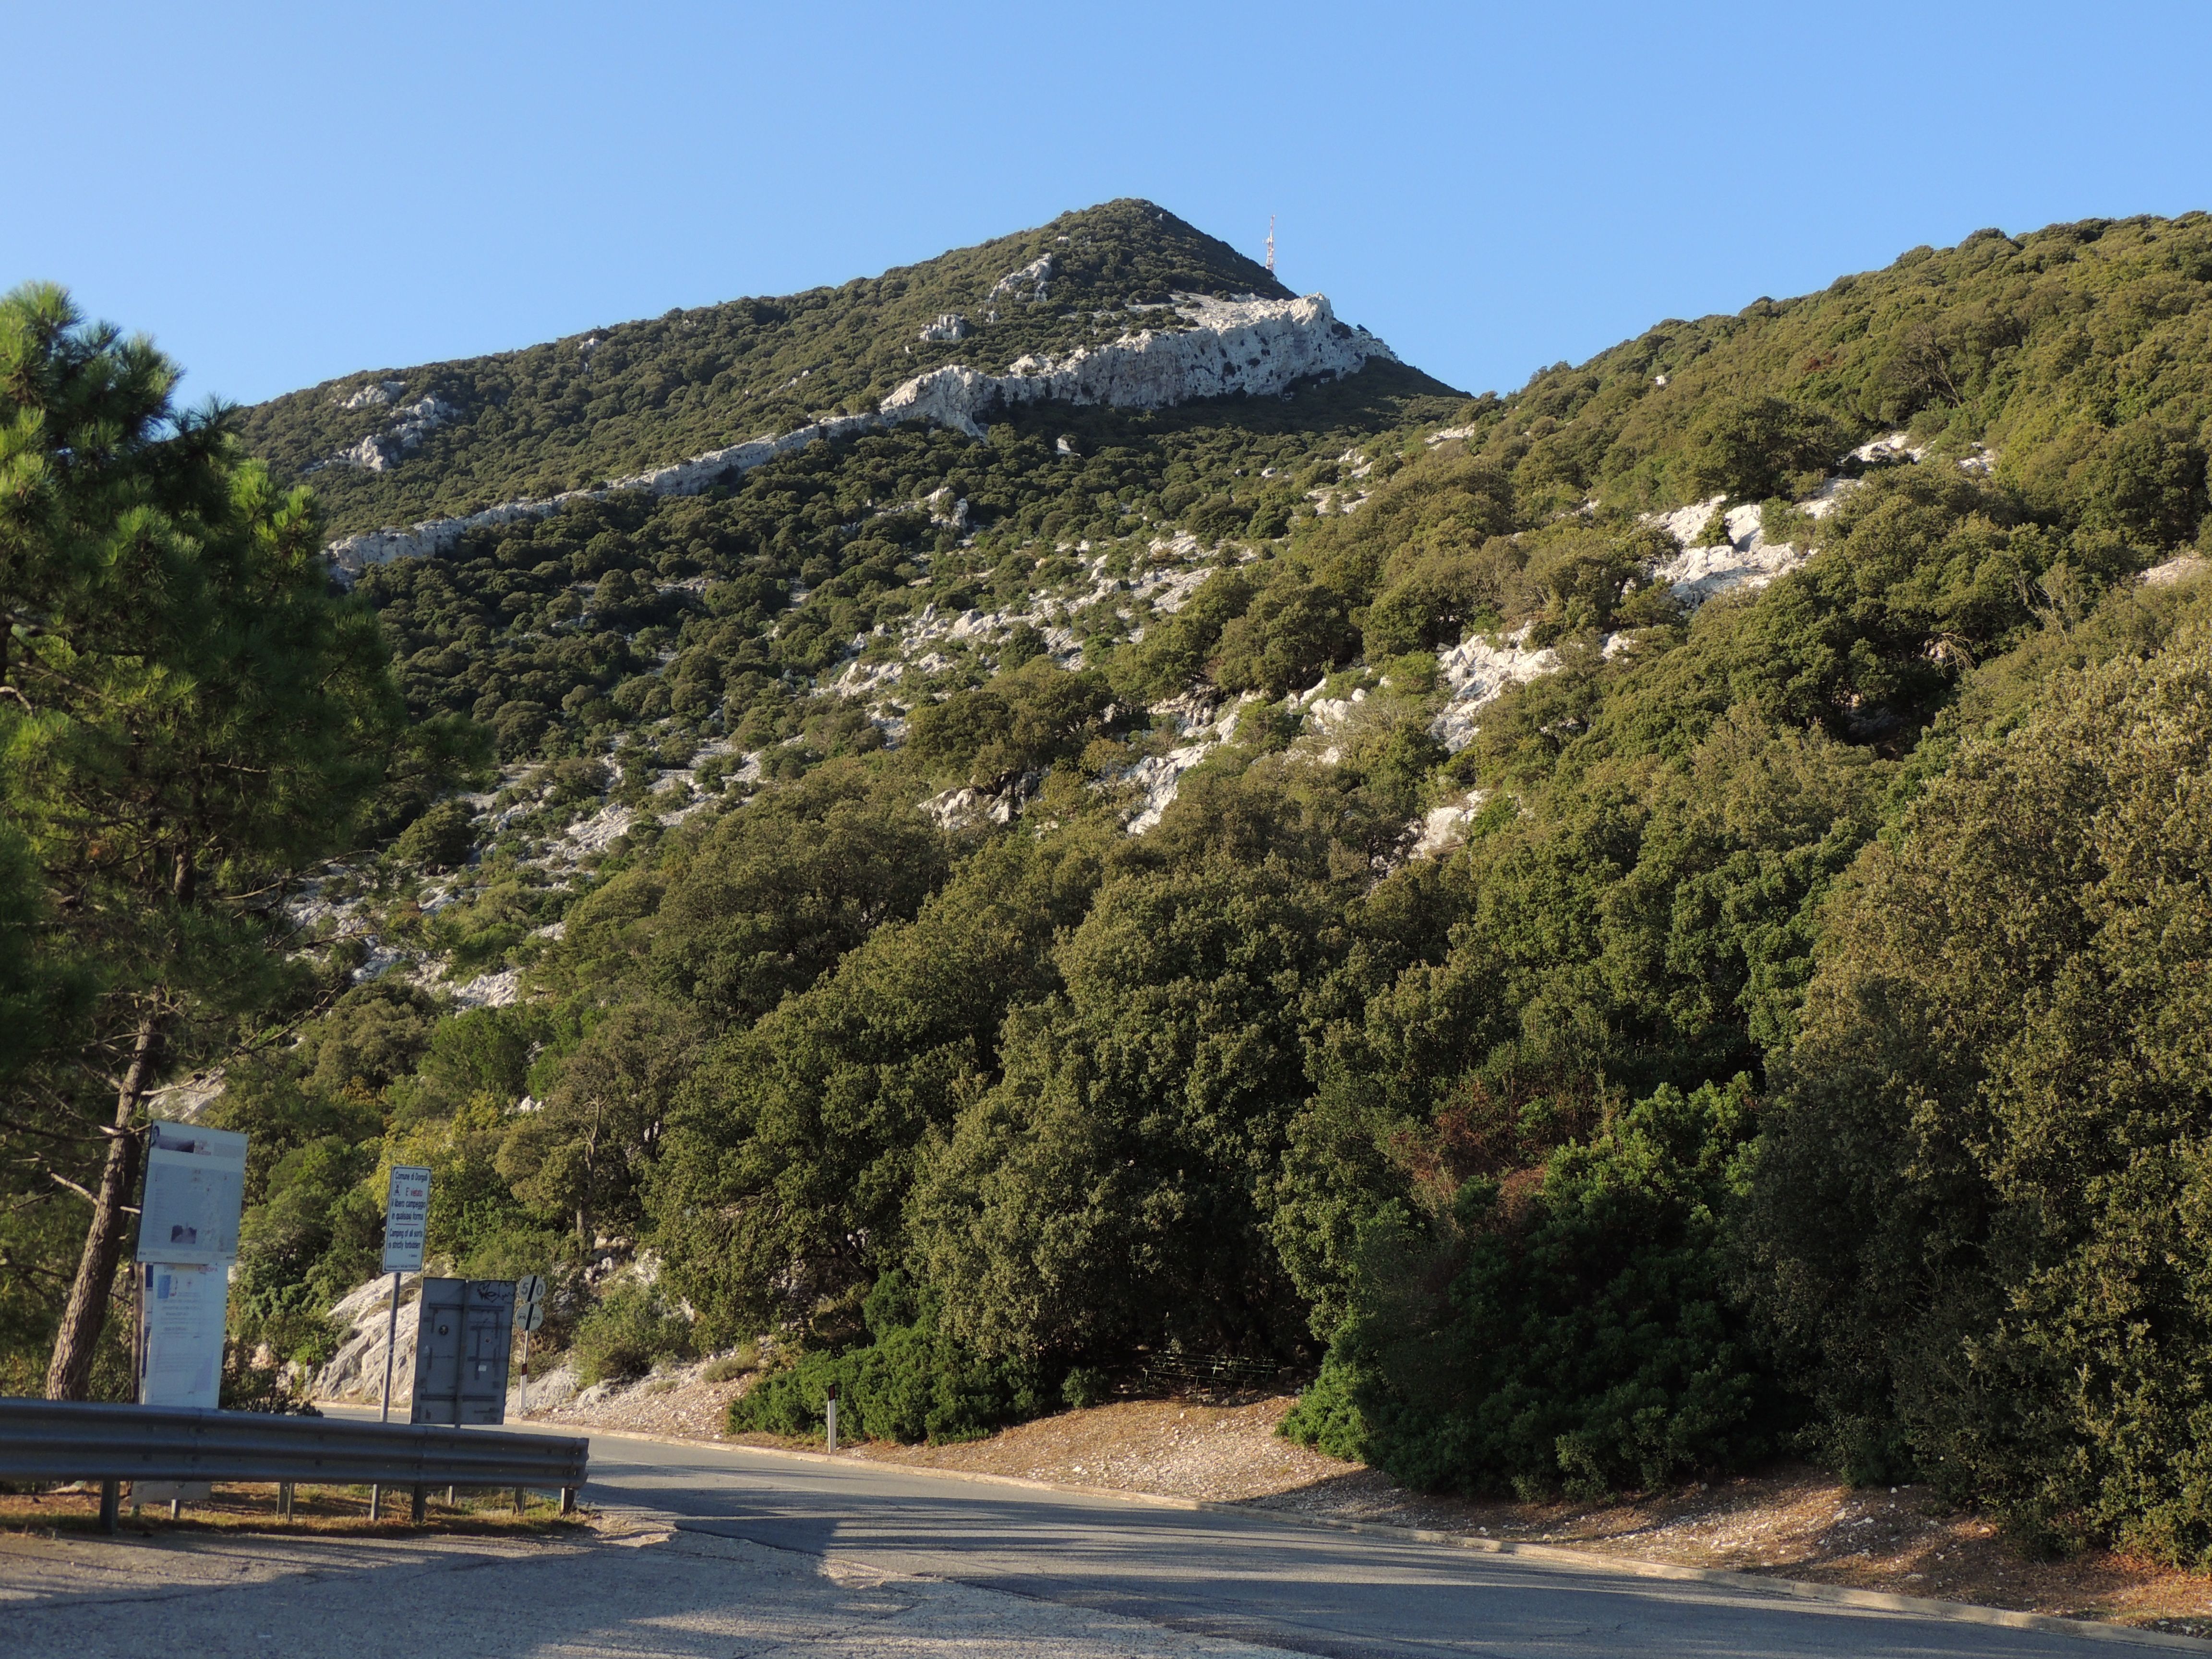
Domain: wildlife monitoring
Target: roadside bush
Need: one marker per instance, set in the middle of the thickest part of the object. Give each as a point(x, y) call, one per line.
point(1570, 1326)
point(912, 1382)
point(247, 1386)
point(1981, 1218)
point(631, 1329)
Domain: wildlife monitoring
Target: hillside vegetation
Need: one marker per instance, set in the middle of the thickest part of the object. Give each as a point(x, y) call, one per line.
point(1299, 881)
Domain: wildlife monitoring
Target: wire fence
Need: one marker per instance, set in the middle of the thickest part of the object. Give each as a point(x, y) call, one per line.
point(1178, 1375)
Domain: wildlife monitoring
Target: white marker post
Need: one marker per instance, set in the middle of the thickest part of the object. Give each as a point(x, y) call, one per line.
point(406, 1226)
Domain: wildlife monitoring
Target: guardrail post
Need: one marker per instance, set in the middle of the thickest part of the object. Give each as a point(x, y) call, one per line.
point(518, 1500)
point(417, 1516)
point(375, 1503)
point(111, 1499)
point(567, 1500)
point(283, 1500)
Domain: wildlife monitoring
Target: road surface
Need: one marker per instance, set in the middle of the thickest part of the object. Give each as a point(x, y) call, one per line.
point(722, 1552)
point(1253, 1580)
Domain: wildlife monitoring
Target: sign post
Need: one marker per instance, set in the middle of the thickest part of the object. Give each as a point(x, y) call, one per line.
point(406, 1225)
point(529, 1314)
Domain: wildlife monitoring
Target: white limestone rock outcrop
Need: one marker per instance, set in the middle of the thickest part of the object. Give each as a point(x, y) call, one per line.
point(1034, 275)
point(1443, 828)
point(363, 1316)
point(949, 325)
point(381, 451)
point(1251, 347)
point(1745, 559)
point(1478, 674)
point(374, 395)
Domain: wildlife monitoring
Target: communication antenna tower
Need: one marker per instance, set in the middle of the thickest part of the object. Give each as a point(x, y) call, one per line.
point(1271, 245)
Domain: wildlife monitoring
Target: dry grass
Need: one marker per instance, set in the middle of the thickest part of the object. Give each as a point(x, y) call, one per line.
point(326, 1512)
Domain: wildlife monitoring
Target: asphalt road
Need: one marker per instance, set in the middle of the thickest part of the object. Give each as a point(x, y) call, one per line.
point(1249, 1579)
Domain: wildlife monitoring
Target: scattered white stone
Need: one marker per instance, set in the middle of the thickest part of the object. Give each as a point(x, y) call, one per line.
point(356, 1371)
point(959, 809)
point(499, 990)
point(1828, 497)
point(1157, 777)
point(944, 509)
point(183, 1100)
point(949, 325)
point(381, 959)
point(1478, 673)
point(2173, 570)
point(1686, 523)
point(379, 452)
point(1700, 574)
point(1746, 559)
point(1444, 827)
point(1890, 446)
point(1035, 274)
point(374, 395)
point(590, 835)
point(1325, 714)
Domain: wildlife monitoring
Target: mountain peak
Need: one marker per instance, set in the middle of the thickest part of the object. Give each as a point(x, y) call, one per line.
point(390, 447)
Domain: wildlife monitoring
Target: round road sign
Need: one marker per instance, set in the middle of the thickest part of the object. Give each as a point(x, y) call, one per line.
point(529, 1300)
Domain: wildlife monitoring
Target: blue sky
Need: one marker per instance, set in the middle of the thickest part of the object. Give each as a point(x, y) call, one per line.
point(284, 193)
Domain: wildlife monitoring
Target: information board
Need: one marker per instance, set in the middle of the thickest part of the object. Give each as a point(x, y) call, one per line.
point(184, 1315)
point(195, 1189)
point(406, 1219)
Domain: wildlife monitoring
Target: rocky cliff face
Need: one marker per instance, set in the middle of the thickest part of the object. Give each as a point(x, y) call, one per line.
point(1249, 346)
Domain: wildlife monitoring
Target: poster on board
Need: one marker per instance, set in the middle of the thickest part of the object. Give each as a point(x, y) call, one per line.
point(182, 1357)
point(195, 1190)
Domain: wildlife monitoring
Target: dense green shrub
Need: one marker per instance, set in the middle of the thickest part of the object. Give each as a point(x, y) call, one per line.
point(632, 1328)
point(441, 838)
point(1981, 1219)
point(1111, 1191)
point(1021, 722)
point(1567, 1325)
point(913, 1382)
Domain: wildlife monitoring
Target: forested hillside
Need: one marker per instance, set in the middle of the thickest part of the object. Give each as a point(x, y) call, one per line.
point(1615, 932)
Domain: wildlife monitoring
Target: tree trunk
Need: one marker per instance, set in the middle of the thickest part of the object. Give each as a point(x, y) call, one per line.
point(68, 1376)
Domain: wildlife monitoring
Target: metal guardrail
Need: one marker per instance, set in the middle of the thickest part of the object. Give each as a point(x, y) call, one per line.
point(58, 1440)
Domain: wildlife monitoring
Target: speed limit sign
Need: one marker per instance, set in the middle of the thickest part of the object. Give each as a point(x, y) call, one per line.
point(530, 1302)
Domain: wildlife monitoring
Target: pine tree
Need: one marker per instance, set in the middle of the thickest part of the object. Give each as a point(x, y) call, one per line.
point(188, 712)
